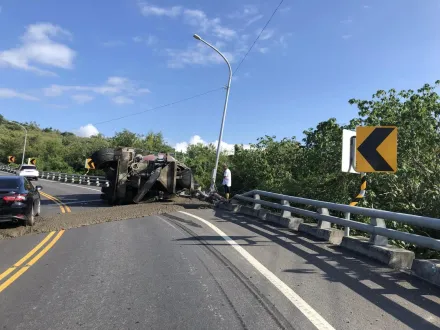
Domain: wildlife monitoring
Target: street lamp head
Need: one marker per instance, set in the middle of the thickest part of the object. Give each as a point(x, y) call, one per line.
point(196, 36)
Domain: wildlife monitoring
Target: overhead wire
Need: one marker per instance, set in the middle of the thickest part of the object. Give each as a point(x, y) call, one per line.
point(207, 92)
point(258, 37)
point(160, 106)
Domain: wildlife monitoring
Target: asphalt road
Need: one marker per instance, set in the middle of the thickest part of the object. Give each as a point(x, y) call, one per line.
point(75, 197)
point(202, 269)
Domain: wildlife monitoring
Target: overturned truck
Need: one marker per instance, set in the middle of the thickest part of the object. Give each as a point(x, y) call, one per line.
point(135, 178)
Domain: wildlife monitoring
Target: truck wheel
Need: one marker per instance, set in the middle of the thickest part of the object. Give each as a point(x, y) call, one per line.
point(103, 156)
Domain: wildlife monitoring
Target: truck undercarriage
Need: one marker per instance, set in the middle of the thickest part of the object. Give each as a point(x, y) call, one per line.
point(134, 178)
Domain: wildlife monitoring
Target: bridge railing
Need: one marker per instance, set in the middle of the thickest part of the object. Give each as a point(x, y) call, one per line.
point(379, 233)
point(89, 180)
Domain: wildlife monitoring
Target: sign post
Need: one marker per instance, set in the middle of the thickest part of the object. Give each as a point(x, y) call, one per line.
point(368, 150)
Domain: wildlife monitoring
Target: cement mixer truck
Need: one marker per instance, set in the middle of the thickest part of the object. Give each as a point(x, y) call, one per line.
point(137, 178)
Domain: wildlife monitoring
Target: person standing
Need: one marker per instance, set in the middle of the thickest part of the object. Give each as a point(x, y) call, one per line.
point(227, 180)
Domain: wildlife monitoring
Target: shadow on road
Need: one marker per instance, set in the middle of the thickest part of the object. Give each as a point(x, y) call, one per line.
point(348, 268)
point(247, 239)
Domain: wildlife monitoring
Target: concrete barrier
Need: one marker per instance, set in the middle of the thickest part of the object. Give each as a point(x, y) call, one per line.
point(263, 215)
point(392, 256)
point(331, 235)
point(428, 270)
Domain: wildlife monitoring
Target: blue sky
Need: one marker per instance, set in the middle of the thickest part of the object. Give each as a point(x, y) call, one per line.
point(75, 64)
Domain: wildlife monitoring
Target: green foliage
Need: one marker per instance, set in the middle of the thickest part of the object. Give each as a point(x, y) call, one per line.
point(201, 159)
point(66, 152)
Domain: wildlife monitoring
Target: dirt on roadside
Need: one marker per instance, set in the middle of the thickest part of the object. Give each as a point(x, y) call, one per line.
point(45, 224)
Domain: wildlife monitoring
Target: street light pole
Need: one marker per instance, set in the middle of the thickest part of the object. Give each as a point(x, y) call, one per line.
point(228, 87)
point(25, 138)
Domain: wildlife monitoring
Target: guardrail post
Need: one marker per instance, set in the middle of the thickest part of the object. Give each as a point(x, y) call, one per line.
point(53, 176)
point(378, 239)
point(97, 182)
point(285, 214)
point(256, 205)
point(324, 224)
point(73, 179)
point(79, 179)
point(88, 181)
point(347, 229)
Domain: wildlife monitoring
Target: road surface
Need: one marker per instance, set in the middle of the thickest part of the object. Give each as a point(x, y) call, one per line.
point(202, 269)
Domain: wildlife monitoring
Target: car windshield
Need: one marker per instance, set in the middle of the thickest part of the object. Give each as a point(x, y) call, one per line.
point(9, 184)
point(28, 167)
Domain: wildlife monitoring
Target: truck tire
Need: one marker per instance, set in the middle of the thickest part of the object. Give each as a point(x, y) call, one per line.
point(103, 156)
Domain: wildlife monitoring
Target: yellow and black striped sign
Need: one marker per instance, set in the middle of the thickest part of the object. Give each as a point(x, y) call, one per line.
point(32, 161)
point(361, 194)
point(89, 164)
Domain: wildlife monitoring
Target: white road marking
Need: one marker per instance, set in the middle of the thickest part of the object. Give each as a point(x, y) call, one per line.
point(73, 185)
point(312, 315)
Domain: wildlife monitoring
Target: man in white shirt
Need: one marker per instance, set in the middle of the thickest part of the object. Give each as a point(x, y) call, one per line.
point(227, 180)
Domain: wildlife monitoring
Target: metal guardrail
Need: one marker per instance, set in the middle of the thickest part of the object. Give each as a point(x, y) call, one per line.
point(377, 226)
point(88, 180)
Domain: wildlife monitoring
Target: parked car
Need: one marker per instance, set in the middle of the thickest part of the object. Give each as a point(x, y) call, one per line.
point(19, 200)
point(28, 171)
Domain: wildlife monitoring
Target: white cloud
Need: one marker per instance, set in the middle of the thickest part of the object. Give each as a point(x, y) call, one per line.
point(248, 10)
point(137, 39)
point(254, 19)
point(150, 10)
point(86, 131)
point(113, 43)
point(119, 88)
point(263, 50)
point(122, 100)
point(282, 40)
point(346, 36)
point(249, 13)
point(149, 40)
point(193, 17)
point(267, 34)
point(82, 98)
point(196, 139)
point(196, 54)
point(224, 32)
point(6, 93)
point(38, 48)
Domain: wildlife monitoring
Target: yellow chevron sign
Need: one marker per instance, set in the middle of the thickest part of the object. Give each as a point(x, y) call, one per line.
point(89, 164)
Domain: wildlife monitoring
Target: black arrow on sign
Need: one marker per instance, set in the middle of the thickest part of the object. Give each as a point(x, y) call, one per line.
point(368, 149)
point(90, 163)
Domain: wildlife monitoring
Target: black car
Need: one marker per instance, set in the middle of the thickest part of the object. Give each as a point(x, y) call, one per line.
point(19, 200)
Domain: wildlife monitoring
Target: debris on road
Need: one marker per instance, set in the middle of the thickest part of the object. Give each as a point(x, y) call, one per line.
point(100, 215)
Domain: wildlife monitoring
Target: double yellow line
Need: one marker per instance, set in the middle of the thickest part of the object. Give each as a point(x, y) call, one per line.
point(18, 267)
point(63, 207)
